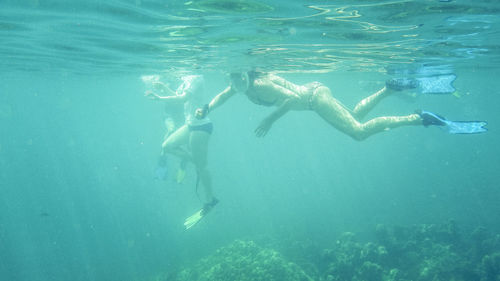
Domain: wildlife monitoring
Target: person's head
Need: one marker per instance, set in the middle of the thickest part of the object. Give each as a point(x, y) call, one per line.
point(239, 81)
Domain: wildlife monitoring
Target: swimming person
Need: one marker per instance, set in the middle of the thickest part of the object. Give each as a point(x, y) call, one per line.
point(190, 141)
point(272, 90)
point(172, 121)
point(173, 117)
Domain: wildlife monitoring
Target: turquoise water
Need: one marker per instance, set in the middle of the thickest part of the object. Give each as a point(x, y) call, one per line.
point(79, 141)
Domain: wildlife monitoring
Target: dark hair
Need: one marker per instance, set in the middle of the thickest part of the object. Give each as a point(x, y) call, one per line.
point(235, 75)
point(252, 75)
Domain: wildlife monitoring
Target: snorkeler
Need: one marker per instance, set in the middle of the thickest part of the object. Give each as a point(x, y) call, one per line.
point(173, 116)
point(190, 141)
point(272, 90)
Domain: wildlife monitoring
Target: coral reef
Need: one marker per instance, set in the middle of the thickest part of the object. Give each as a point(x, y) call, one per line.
point(419, 253)
point(243, 260)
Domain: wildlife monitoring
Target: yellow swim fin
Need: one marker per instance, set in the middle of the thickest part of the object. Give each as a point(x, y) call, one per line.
point(457, 94)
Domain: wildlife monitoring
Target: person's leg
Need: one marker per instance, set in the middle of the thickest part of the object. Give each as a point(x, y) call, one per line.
point(173, 144)
point(368, 103)
point(198, 142)
point(339, 117)
point(385, 123)
point(169, 127)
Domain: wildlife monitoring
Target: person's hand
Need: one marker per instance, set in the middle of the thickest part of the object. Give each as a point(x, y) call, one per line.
point(263, 128)
point(200, 113)
point(151, 95)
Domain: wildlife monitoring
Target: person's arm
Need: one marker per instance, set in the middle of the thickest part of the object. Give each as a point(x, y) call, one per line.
point(217, 101)
point(172, 97)
point(268, 122)
point(180, 98)
point(221, 98)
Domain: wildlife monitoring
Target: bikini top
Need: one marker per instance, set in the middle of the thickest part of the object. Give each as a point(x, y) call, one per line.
point(258, 101)
point(255, 99)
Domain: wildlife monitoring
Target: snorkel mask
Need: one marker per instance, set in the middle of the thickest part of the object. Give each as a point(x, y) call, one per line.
point(240, 81)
